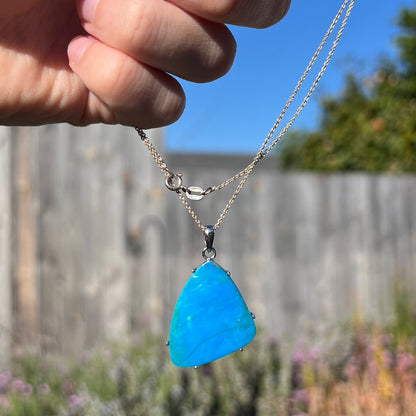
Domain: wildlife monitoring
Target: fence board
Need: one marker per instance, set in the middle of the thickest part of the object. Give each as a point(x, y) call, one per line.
point(5, 246)
point(25, 296)
point(50, 237)
point(145, 234)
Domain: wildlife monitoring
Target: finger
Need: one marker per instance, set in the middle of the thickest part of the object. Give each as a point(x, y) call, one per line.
point(161, 35)
point(123, 90)
point(251, 13)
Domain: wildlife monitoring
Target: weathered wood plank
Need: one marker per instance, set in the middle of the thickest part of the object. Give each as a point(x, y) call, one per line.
point(51, 238)
point(72, 237)
point(145, 234)
point(6, 259)
point(26, 319)
point(112, 266)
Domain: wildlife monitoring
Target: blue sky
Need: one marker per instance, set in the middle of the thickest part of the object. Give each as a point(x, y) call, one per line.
point(235, 113)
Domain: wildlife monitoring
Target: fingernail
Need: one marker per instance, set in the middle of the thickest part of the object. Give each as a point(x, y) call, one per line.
point(87, 9)
point(77, 47)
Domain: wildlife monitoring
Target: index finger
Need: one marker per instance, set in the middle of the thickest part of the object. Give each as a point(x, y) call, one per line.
point(250, 13)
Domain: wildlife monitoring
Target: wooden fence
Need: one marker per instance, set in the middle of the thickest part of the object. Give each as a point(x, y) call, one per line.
point(93, 246)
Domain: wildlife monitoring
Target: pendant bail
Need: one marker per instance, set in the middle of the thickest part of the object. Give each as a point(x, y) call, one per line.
point(209, 252)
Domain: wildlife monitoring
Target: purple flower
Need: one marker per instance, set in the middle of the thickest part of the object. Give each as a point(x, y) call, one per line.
point(299, 357)
point(5, 378)
point(405, 362)
point(18, 385)
point(301, 397)
point(44, 389)
point(75, 401)
point(27, 390)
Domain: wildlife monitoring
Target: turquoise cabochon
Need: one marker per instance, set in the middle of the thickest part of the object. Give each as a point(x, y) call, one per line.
point(210, 320)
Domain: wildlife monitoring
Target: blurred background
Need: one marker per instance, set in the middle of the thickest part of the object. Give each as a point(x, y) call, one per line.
point(321, 242)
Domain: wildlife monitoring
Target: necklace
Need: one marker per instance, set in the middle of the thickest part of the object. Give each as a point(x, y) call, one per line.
point(211, 318)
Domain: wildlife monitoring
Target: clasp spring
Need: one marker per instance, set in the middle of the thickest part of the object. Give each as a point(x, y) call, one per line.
point(174, 182)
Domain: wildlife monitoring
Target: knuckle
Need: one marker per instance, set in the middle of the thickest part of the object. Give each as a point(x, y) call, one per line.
point(221, 63)
point(138, 28)
point(217, 60)
point(139, 93)
point(156, 109)
point(222, 9)
point(118, 80)
point(171, 108)
point(278, 11)
point(259, 14)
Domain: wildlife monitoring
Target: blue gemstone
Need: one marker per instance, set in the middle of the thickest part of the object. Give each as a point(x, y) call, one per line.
point(210, 320)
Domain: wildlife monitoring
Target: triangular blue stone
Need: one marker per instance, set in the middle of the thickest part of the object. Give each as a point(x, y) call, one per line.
point(210, 320)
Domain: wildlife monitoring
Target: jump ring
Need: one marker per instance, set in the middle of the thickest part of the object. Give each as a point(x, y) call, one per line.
point(209, 254)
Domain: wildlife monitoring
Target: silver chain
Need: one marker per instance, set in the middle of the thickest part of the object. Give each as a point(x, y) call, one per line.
point(174, 180)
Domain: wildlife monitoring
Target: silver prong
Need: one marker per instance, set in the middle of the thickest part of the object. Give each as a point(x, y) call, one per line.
point(241, 349)
point(167, 343)
point(253, 315)
point(196, 367)
point(194, 269)
point(228, 273)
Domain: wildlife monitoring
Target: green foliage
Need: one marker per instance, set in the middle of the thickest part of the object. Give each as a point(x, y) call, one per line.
point(403, 325)
point(371, 126)
point(407, 42)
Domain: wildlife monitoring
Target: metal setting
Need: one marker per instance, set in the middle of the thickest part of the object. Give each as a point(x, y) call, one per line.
point(209, 233)
point(209, 252)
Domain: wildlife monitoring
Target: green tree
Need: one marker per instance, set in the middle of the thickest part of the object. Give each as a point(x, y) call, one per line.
point(371, 126)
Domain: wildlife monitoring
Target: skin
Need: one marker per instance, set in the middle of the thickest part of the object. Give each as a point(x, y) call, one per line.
point(112, 61)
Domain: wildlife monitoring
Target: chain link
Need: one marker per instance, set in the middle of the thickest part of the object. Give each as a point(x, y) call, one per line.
point(175, 179)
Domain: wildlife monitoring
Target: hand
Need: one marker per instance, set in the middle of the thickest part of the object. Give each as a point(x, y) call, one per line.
point(109, 60)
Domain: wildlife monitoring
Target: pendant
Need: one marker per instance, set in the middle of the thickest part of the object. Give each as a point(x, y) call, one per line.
point(211, 318)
